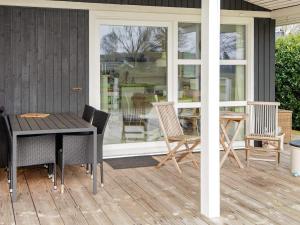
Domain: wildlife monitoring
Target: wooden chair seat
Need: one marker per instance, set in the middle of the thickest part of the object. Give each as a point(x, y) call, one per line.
point(184, 138)
point(262, 138)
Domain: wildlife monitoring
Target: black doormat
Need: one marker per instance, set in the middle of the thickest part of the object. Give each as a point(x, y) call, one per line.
point(132, 162)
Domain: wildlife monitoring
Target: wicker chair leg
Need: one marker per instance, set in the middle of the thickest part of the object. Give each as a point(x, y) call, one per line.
point(91, 171)
point(54, 176)
point(10, 179)
point(8, 174)
point(87, 168)
point(101, 172)
point(62, 178)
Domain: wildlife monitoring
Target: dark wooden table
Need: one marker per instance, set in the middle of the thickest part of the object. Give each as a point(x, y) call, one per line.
point(56, 123)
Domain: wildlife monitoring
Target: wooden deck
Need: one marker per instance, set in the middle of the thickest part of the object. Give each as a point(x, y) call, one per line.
point(259, 194)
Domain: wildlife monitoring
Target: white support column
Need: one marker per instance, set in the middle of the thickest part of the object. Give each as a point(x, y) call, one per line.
point(210, 84)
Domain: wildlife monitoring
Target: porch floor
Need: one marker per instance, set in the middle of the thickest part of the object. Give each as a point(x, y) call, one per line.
point(259, 194)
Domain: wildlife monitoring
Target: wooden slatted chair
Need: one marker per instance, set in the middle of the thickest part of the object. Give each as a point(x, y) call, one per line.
point(173, 133)
point(263, 127)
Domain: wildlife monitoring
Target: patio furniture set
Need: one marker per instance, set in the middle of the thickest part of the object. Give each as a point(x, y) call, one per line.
point(55, 139)
point(65, 139)
point(263, 139)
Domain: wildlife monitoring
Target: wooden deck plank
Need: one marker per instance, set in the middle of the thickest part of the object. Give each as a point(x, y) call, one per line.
point(24, 209)
point(136, 211)
point(67, 207)
point(91, 211)
point(112, 210)
point(43, 201)
point(6, 209)
point(259, 194)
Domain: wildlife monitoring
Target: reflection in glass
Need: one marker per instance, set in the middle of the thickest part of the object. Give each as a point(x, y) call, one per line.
point(133, 62)
point(189, 120)
point(233, 126)
point(189, 40)
point(189, 83)
point(233, 42)
point(232, 83)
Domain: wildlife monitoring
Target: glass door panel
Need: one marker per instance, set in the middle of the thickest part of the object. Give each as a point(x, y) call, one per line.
point(133, 74)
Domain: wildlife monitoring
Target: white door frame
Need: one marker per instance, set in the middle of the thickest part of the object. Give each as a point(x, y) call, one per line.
point(169, 20)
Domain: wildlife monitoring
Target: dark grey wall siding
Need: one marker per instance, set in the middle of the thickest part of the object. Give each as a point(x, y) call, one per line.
point(264, 59)
point(225, 4)
point(43, 55)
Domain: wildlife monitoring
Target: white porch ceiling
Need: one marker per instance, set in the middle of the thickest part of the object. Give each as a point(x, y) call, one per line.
point(275, 4)
point(284, 11)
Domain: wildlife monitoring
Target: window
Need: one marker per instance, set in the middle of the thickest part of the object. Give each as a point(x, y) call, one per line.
point(233, 63)
point(233, 42)
point(189, 69)
point(233, 72)
point(189, 41)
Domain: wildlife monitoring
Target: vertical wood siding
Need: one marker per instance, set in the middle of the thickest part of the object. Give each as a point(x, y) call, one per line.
point(43, 55)
point(264, 56)
point(225, 4)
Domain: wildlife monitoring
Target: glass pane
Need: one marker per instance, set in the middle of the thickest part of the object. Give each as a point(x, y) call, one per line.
point(189, 83)
point(233, 42)
point(233, 126)
point(133, 75)
point(190, 120)
point(189, 40)
point(232, 83)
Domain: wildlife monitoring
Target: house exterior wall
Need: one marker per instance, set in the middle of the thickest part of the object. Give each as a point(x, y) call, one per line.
point(43, 56)
point(264, 59)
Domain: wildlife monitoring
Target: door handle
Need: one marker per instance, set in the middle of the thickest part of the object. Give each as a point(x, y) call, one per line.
point(77, 89)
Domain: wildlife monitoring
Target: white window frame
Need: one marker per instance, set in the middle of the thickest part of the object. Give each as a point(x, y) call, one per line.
point(247, 62)
point(169, 20)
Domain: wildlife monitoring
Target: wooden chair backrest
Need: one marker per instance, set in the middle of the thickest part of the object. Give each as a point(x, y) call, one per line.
point(168, 119)
point(263, 118)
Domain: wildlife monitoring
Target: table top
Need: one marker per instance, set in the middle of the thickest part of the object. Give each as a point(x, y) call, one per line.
point(54, 123)
point(233, 115)
point(295, 143)
point(223, 115)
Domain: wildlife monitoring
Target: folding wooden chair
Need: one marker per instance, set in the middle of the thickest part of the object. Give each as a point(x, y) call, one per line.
point(263, 127)
point(173, 133)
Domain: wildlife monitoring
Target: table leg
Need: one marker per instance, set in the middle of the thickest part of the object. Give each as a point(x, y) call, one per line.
point(95, 163)
point(14, 169)
point(101, 167)
point(224, 140)
point(230, 145)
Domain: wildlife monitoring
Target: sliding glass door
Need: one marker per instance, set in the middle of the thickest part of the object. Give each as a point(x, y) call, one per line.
point(133, 74)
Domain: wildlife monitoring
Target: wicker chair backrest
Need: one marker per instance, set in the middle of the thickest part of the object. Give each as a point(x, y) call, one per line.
point(2, 109)
point(100, 121)
point(88, 113)
point(4, 142)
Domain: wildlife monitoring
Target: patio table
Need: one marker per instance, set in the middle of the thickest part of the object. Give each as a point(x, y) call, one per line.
point(56, 123)
point(227, 118)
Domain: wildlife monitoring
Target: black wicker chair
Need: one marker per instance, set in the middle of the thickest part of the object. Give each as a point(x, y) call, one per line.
point(3, 141)
point(32, 150)
point(88, 113)
point(78, 149)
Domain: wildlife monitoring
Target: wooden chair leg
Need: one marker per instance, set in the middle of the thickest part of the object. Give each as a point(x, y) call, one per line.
point(164, 160)
point(176, 164)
